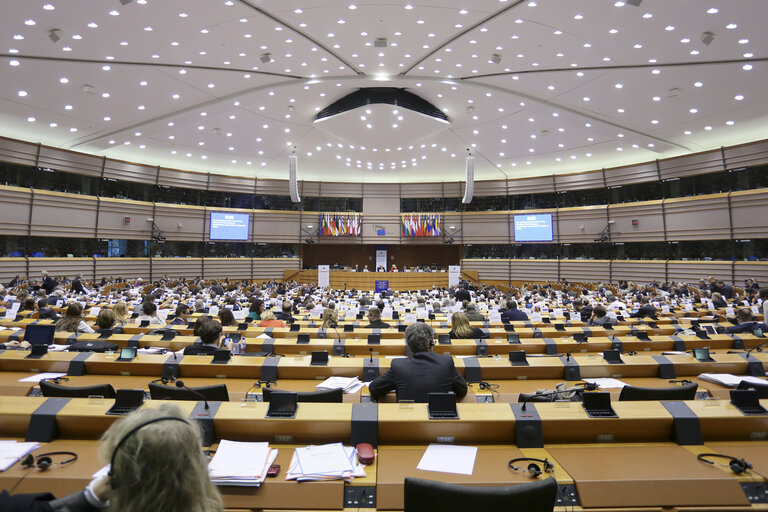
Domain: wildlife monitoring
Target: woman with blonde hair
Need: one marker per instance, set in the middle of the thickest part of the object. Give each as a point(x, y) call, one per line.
point(156, 464)
point(268, 320)
point(460, 328)
point(330, 318)
point(121, 310)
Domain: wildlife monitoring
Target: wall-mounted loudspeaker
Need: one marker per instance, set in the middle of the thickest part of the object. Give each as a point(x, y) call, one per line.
point(293, 182)
point(470, 186)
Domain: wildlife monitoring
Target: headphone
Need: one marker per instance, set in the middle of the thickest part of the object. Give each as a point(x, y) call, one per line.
point(113, 480)
point(737, 465)
point(534, 470)
point(56, 380)
point(44, 460)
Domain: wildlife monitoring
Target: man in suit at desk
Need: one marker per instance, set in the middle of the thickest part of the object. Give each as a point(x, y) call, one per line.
point(744, 317)
point(513, 314)
point(374, 317)
point(420, 373)
point(209, 331)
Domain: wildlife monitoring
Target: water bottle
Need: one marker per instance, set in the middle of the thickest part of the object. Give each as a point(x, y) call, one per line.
point(242, 346)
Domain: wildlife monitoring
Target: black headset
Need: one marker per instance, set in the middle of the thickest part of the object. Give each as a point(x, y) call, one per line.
point(534, 470)
point(113, 480)
point(737, 465)
point(44, 460)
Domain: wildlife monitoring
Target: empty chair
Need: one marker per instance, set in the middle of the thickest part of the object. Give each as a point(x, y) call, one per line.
point(431, 496)
point(325, 395)
point(215, 393)
point(684, 392)
point(52, 389)
point(762, 389)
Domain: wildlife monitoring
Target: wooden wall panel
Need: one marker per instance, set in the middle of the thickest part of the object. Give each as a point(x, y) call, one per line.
point(535, 185)
point(276, 227)
point(484, 228)
point(488, 270)
point(232, 268)
point(744, 270)
point(14, 210)
point(650, 222)
point(382, 191)
point(421, 190)
point(272, 187)
point(340, 190)
point(112, 213)
point(61, 267)
point(185, 179)
point(490, 188)
point(689, 165)
point(180, 222)
point(12, 267)
point(747, 155)
point(129, 268)
point(585, 270)
point(749, 213)
point(639, 271)
point(272, 268)
point(59, 214)
point(70, 161)
point(697, 218)
point(454, 189)
point(638, 173)
point(579, 181)
point(238, 184)
point(582, 224)
point(119, 170)
point(177, 267)
point(692, 271)
point(18, 151)
point(533, 270)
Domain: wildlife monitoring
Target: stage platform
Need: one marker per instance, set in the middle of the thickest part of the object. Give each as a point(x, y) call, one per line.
point(399, 281)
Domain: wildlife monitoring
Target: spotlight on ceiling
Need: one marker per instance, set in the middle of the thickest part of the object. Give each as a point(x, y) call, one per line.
point(636, 3)
point(707, 38)
point(54, 35)
point(266, 57)
point(495, 58)
point(125, 2)
point(380, 42)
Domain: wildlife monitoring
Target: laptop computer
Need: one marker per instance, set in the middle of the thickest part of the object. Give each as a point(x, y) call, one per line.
point(443, 339)
point(127, 400)
point(127, 354)
point(282, 404)
point(374, 339)
point(517, 358)
point(295, 327)
point(302, 339)
point(747, 401)
point(221, 356)
point(39, 334)
point(37, 351)
point(598, 404)
point(442, 406)
point(702, 354)
point(319, 358)
point(612, 356)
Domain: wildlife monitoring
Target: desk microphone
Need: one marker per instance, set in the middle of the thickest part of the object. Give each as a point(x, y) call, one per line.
point(180, 384)
point(371, 351)
point(165, 351)
point(758, 348)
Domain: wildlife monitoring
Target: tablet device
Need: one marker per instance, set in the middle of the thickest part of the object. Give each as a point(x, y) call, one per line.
point(612, 356)
point(442, 406)
point(242, 326)
point(127, 400)
point(39, 334)
point(513, 338)
point(747, 401)
point(702, 354)
point(295, 327)
point(221, 356)
point(517, 358)
point(374, 339)
point(127, 354)
point(349, 327)
point(598, 405)
point(559, 327)
point(302, 339)
point(168, 335)
point(443, 339)
point(580, 337)
point(282, 404)
point(37, 351)
point(319, 358)
point(401, 327)
point(509, 327)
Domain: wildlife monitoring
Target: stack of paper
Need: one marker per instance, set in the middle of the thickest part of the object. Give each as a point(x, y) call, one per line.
point(348, 384)
point(607, 382)
point(325, 462)
point(728, 380)
point(241, 464)
point(448, 458)
point(11, 451)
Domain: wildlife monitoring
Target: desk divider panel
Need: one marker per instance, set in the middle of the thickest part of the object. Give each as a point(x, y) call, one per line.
point(550, 346)
point(528, 431)
point(269, 369)
point(686, 428)
point(472, 370)
point(77, 364)
point(42, 424)
point(205, 418)
point(666, 368)
point(365, 428)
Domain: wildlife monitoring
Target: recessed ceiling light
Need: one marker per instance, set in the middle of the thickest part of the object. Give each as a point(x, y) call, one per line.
point(693, 110)
point(747, 67)
point(669, 27)
point(712, 10)
point(22, 94)
point(647, 16)
point(31, 119)
point(739, 97)
point(743, 41)
point(29, 22)
point(731, 26)
point(92, 25)
point(48, 7)
point(14, 63)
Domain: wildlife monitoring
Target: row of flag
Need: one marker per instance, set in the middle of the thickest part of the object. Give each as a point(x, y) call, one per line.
point(341, 224)
point(421, 224)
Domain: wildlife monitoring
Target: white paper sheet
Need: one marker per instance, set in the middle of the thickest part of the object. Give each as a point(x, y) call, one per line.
point(11, 451)
point(607, 383)
point(323, 459)
point(448, 458)
point(40, 376)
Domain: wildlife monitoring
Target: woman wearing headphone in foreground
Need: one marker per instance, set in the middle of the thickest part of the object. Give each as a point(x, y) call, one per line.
point(156, 464)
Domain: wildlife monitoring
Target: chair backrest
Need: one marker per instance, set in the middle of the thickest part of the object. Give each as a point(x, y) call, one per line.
point(432, 496)
point(57, 390)
point(762, 389)
point(326, 395)
point(215, 393)
point(684, 392)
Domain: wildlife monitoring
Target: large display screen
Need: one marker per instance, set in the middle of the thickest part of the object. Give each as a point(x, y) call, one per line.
point(229, 226)
point(533, 228)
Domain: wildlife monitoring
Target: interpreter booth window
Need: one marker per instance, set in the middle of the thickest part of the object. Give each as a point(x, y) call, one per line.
point(535, 251)
point(266, 202)
point(701, 250)
point(170, 249)
point(13, 246)
point(640, 251)
point(488, 204)
point(122, 189)
point(751, 250)
point(55, 247)
point(713, 183)
point(533, 201)
point(45, 178)
point(748, 178)
point(176, 195)
point(636, 192)
point(264, 250)
point(241, 200)
point(228, 250)
point(127, 248)
point(10, 174)
point(426, 204)
point(586, 197)
point(486, 251)
point(588, 251)
point(216, 199)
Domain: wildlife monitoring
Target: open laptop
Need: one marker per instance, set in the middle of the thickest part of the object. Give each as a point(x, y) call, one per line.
point(282, 404)
point(513, 338)
point(39, 334)
point(517, 358)
point(442, 406)
point(127, 354)
point(747, 401)
point(319, 358)
point(127, 400)
point(702, 354)
point(221, 356)
point(443, 339)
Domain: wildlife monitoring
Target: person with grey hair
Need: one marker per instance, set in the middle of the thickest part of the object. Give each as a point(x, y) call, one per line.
point(422, 372)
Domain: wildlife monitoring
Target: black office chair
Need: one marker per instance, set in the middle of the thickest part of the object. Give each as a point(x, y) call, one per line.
point(431, 496)
point(215, 393)
point(325, 395)
point(57, 390)
point(684, 392)
point(762, 389)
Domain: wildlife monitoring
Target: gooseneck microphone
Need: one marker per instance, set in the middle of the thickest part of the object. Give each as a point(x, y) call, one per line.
point(371, 351)
point(758, 348)
point(180, 384)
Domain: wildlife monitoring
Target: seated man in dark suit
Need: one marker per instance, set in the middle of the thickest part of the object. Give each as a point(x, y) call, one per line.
point(285, 314)
point(182, 315)
point(420, 373)
point(209, 331)
point(472, 314)
point(645, 310)
point(513, 314)
point(744, 317)
point(44, 312)
point(374, 317)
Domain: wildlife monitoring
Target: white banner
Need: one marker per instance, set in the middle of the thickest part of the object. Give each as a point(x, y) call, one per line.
point(454, 274)
point(323, 276)
point(381, 260)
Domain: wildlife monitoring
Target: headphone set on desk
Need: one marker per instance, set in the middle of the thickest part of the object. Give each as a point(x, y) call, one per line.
point(737, 465)
point(45, 460)
point(56, 380)
point(534, 470)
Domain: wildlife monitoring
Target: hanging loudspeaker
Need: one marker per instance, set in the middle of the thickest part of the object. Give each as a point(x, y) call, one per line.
point(470, 186)
point(293, 185)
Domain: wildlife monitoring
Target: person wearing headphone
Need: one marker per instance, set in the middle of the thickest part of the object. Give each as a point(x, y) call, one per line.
point(156, 463)
point(422, 372)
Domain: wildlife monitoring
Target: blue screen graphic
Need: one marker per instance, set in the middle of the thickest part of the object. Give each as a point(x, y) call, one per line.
point(229, 226)
point(533, 228)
